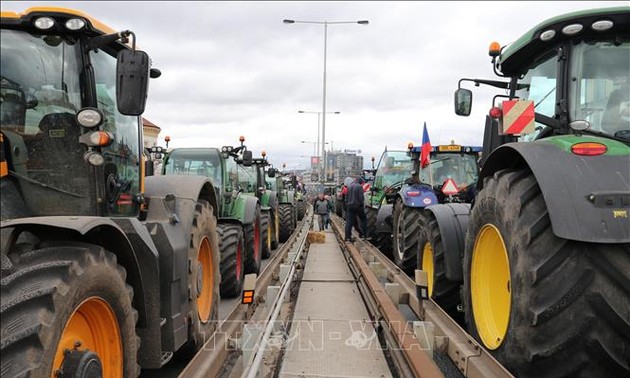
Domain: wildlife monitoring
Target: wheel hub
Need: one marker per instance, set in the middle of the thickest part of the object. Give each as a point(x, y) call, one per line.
point(80, 364)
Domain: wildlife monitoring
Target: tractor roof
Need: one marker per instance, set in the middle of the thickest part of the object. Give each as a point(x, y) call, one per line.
point(517, 56)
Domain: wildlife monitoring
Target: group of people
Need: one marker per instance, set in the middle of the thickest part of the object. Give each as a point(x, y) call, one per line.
point(354, 207)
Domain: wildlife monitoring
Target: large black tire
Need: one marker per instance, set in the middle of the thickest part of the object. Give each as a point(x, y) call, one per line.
point(570, 308)
point(265, 227)
point(300, 210)
point(41, 289)
point(253, 243)
point(204, 230)
point(232, 266)
point(371, 215)
point(287, 224)
point(406, 229)
point(443, 291)
point(339, 207)
point(275, 228)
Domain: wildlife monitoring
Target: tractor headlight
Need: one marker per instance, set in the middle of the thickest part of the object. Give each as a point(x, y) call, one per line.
point(44, 23)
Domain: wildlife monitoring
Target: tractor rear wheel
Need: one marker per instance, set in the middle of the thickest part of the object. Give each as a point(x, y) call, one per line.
point(253, 243)
point(203, 275)
point(232, 262)
point(286, 215)
point(406, 228)
point(266, 229)
point(544, 306)
point(66, 295)
point(431, 259)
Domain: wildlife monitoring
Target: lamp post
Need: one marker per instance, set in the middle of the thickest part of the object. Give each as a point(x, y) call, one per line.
point(325, 23)
point(318, 118)
point(308, 141)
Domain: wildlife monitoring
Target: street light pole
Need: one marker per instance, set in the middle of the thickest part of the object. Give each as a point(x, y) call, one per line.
point(325, 23)
point(318, 123)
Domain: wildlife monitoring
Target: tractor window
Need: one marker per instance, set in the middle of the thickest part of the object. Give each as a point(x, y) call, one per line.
point(197, 162)
point(247, 178)
point(541, 80)
point(40, 93)
point(461, 168)
point(394, 167)
point(600, 85)
point(122, 160)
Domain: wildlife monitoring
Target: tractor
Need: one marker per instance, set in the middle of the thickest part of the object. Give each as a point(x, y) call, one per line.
point(544, 250)
point(97, 259)
point(239, 227)
point(394, 204)
point(287, 211)
point(253, 179)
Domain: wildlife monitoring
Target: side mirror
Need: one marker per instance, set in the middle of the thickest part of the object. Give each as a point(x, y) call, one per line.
point(148, 168)
point(271, 173)
point(247, 158)
point(132, 81)
point(463, 102)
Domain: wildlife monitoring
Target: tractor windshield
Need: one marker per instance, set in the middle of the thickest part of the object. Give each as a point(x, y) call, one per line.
point(600, 85)
point(460, 167)
point(200, 162)
point(247, 178)
point(40, 93)
point(394, 167)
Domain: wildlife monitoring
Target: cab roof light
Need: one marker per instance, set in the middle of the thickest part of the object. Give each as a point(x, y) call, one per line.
point(44, 23)
point(572, 29)
point(547, 35)
point(410, 145)
point(495, 49)
point(589, 149)
point(75, 24)
point(602, 25)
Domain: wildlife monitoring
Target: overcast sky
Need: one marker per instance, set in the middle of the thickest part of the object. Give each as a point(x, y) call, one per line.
point(233, 68)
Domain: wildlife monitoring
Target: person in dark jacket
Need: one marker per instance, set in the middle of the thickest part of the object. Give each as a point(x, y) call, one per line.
point(355, 205)
point(322, 209)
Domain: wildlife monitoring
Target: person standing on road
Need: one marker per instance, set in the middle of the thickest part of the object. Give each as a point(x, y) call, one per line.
point(322, 210)
point(355, 202)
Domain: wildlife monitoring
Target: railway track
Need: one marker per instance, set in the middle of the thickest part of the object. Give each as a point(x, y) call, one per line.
point(409, 345)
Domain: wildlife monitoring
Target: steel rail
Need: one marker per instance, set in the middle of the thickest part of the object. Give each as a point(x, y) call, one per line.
point(471, 359)
point(211, 357)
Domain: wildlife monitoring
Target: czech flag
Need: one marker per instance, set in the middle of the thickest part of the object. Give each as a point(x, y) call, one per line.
point(426, 148)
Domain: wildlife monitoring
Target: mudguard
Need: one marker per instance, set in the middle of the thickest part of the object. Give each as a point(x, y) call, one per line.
point(169, 223)
point(588, 197)
point(384, 220)
point(135, 251)
point(452, 219)
point(417, 195)
point(250, 210)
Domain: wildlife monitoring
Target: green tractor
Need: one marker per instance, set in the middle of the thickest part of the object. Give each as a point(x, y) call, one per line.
point(239, 223)
point(253, 180)
point(545, 249)
point(104, 271)
point(287, 211)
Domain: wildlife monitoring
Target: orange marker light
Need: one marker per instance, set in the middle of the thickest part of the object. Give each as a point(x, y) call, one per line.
point(410, 145)
point(589, 149)
point(248, 297)
point(241, 139)
point(263, 154)
point(167, 138)
point(494, 49)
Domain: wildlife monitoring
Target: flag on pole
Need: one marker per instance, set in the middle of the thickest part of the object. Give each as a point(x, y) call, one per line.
point(426, 148)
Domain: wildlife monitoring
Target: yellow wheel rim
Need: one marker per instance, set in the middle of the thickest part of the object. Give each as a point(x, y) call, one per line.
point(205, 280)
point(93, 326)
point(490, 286)
point(427, 265)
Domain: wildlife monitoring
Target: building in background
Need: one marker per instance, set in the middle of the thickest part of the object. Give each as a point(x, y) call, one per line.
point(341, 164)
point(151, 132)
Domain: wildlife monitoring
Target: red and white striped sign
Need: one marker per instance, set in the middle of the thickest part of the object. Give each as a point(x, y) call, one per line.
point(518, 117)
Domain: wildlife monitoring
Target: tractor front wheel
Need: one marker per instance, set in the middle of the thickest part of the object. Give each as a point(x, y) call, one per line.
point(287, 218)
point(405, 236)
point(232, 261)
point(67, 306)
point(253, 243)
